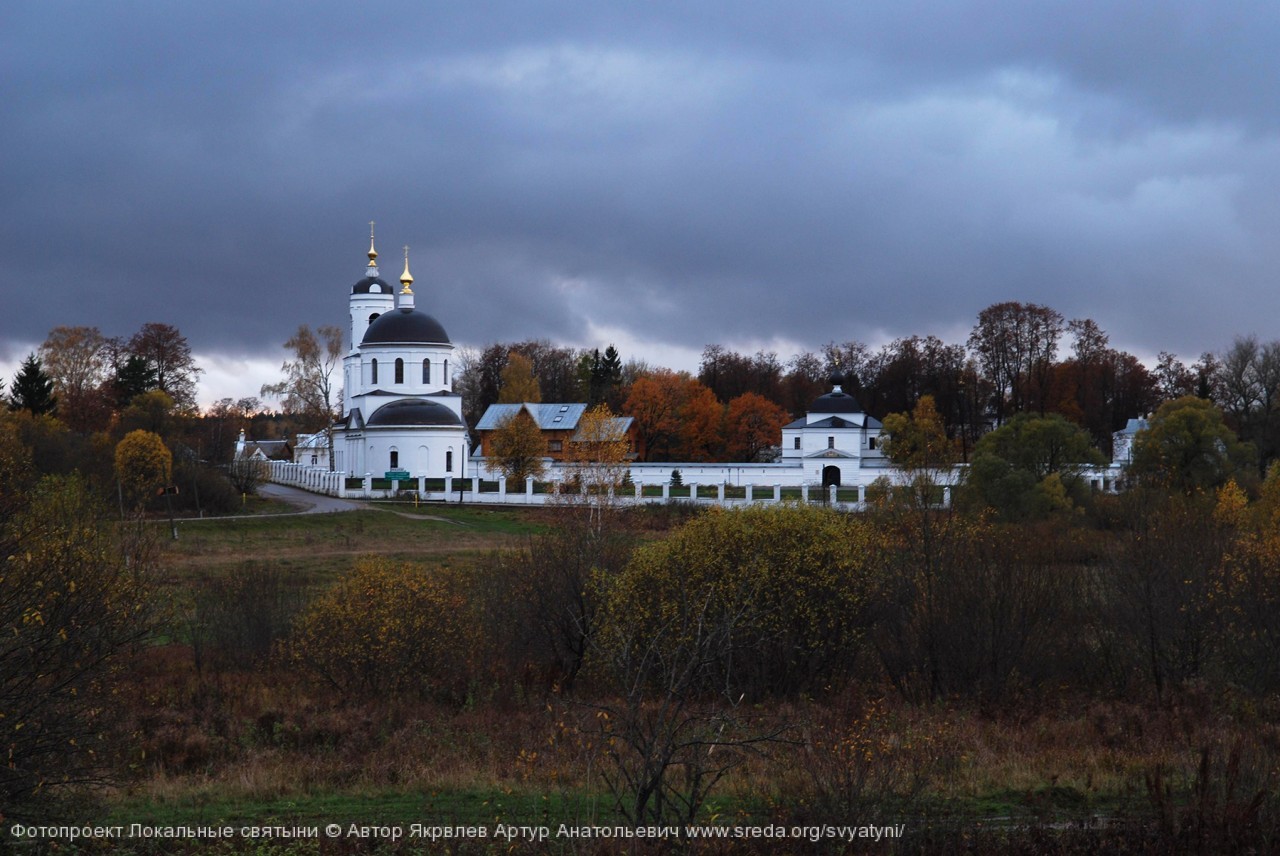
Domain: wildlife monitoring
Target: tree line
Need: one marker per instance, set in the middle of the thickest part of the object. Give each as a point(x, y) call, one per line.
point(1020, 358)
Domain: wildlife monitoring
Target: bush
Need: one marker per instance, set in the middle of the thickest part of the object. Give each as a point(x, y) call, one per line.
point(388, 629)
point(771, 596)
point(238, 619)
point(967, 608)
point(538, 609)
point(203, 489)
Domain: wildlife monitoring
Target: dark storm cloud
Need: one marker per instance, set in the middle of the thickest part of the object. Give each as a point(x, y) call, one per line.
point(687, 173)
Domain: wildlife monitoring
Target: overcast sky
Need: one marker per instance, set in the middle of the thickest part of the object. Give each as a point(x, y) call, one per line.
point(658, 175)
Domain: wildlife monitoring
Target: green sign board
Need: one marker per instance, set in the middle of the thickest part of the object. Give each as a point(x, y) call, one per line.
point(398, 475)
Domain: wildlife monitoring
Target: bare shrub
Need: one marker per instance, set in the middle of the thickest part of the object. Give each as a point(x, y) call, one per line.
point(247, 474)
point(237, 619)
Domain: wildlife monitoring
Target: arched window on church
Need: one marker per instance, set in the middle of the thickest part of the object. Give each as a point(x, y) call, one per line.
point(446, 372)
point(399, 370)
point(426, 371)
point(373, 317)
point(373, 365)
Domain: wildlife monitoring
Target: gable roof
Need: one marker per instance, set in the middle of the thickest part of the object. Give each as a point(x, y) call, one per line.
point(618, 428)
point(831, 453)
point(548, 417)
point(267, 449)
point(834, 422)
point(312, 441)
point(1134, 425)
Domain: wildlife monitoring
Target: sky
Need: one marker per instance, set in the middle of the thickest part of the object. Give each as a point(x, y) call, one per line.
point(660, 176)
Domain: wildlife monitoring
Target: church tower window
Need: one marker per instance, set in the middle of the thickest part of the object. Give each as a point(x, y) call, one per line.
point(426, 371)
point(399, 370)
point(373, 366)
point(446, 372)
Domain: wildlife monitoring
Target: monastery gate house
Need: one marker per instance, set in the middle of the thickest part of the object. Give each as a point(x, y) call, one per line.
point(402, 426)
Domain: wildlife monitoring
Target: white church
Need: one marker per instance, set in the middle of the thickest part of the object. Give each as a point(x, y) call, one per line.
point(399, 411)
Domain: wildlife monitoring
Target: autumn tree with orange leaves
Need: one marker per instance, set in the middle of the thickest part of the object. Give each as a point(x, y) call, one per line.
point(654, 403)
point(753, 423)
point(677, 417)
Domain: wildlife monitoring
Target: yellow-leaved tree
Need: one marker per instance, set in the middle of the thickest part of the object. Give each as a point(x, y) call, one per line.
point(518, 447)
point(596, 462)
point(519, 383)
point(1246, 589)
point(143, 466)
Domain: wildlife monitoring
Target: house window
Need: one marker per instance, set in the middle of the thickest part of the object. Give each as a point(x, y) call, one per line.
point(374, 364)
point(395, 460)
point(448, 461)
point(555, 446)
point(399, 370)
point(873, 442)
point(315, 460)
point(426, 371)
point(797, 442)
point(831, 442)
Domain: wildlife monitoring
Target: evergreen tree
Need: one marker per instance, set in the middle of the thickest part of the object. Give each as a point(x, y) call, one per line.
point(132, 379)
point(606, 375)
point(32, 388)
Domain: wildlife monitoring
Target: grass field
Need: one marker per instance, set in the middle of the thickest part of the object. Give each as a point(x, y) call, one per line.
point(266, 744)
point(319, 546)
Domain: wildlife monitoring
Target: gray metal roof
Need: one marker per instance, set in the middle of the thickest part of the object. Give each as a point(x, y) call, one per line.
point(1133, 426)
point(618, 427)
point(549, 417)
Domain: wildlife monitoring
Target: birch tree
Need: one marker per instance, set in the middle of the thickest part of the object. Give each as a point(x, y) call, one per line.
point(308, 390)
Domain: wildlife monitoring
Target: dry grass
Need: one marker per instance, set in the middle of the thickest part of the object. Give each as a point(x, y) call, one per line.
point(268, 735)
point(267, 738)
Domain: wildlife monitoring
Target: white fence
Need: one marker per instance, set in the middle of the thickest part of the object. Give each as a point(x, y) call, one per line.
point(473, 490)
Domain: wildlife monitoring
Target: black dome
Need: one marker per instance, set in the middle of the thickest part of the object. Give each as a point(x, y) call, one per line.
point(835, 402)
point(364, 286)
point(405, 325)
point(414, 411)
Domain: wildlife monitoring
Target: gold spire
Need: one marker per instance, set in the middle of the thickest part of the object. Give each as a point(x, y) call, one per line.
point(406, 278)
point(373, 254)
